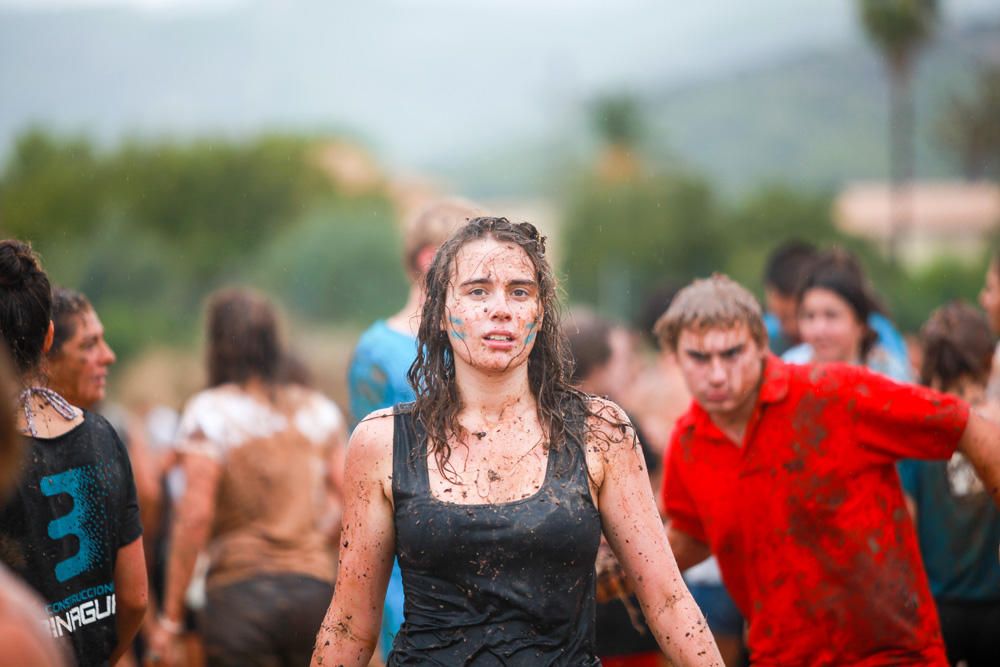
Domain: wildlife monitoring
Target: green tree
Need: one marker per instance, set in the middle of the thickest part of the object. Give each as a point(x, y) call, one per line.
point(899, 29)
point(51, 188)
point(620, 239)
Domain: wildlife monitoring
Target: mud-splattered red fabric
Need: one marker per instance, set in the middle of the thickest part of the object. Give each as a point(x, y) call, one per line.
point(807, 519)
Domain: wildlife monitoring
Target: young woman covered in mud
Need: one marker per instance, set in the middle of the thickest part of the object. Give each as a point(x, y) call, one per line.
point(493, 487)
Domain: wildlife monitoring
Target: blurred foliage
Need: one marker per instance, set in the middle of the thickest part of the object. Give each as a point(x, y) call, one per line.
point(970, 127)
point(622, 236)
point(341, 262)
point(622, 242)
point(148, 229)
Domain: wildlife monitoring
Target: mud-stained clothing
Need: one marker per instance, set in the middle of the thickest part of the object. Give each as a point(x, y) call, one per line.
point(265, 621)
point(271, 498)
point(495, 584)
point(74, 508)
point(806, 517)
point(271, 567)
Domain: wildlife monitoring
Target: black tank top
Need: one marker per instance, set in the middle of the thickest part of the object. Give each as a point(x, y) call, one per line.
point(495, 584)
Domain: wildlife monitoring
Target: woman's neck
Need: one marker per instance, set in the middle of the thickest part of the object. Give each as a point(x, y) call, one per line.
point(488, 400)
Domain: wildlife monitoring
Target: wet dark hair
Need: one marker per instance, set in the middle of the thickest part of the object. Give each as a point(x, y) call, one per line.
point(433, 372)
point(589, 341)
point(787, 266)
point(839, 271)
point(243, 337)
point(67, 304)
point(11, 443)
point(957, 343)
point(25, 304)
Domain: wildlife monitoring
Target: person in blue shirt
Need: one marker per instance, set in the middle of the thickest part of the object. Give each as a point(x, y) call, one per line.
point(834, 307)
point(377, 375)
point(958, 525)
point(786, 267)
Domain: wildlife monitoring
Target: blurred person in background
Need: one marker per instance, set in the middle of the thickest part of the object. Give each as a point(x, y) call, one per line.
point(77, 366)
point(493, 488)
point(788, 265)
point(603, 367)
point(957, 523)
point(834, 306)
point(989, 299)
point(24, 640)
point(784, 270)
point(658, 395)
point(787, 474)
point(72, 529)
point(377, 376)
point(258, 457)
point(78, 361)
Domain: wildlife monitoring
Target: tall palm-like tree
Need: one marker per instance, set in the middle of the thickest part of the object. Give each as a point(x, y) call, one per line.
point(970, 127)
point(617, 121)
point(899, 29)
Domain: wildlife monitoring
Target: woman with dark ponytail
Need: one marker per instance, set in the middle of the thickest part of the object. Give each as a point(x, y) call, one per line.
point(71, 529)
point(958, 525)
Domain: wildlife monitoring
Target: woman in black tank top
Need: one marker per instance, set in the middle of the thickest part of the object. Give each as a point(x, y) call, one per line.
point(493, 488)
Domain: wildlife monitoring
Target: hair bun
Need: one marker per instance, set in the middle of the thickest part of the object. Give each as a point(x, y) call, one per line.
point(18, 264)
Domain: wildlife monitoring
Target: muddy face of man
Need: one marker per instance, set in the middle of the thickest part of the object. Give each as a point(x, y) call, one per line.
point(79, 370)
point(722, 367)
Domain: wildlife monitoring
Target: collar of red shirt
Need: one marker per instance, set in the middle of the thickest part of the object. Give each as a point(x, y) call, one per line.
point(773, 389)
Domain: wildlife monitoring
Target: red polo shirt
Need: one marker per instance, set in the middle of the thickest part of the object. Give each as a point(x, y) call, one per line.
point(807, 519)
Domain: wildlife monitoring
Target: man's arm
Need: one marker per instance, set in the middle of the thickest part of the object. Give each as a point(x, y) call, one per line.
point(688, 550)
point(980, 443)
point(131, 595)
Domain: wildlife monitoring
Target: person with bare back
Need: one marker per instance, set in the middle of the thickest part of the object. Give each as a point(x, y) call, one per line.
point(260, 456)
point(787, 474)
point(493, 487)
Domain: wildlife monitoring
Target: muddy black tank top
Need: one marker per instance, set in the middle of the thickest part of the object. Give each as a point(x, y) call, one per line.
point(495, 584)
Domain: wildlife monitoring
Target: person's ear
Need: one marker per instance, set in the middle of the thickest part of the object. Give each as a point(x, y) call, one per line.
point(50, 336)
point(425, 257)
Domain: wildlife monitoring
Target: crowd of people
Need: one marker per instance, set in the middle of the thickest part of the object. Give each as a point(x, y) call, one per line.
point(719, 484)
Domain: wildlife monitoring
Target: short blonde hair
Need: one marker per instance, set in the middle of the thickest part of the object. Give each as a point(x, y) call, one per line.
point(716, 302)
point(433, 225)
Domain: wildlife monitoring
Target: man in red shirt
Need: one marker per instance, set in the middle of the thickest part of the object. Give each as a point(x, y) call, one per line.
point(786, 474)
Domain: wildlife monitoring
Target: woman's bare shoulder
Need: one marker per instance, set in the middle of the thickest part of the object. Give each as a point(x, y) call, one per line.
point(372, 437)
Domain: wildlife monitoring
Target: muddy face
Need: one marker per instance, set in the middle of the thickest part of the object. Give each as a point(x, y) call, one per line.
point(492, 311)
point(830, 325)
point(79, 371)
point(722, 367)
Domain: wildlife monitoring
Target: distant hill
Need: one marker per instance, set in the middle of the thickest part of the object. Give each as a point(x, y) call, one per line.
point(816, 118)
point(486, 94)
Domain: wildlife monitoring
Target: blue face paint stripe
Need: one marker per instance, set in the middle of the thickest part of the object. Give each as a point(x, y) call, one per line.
point(456, 322)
